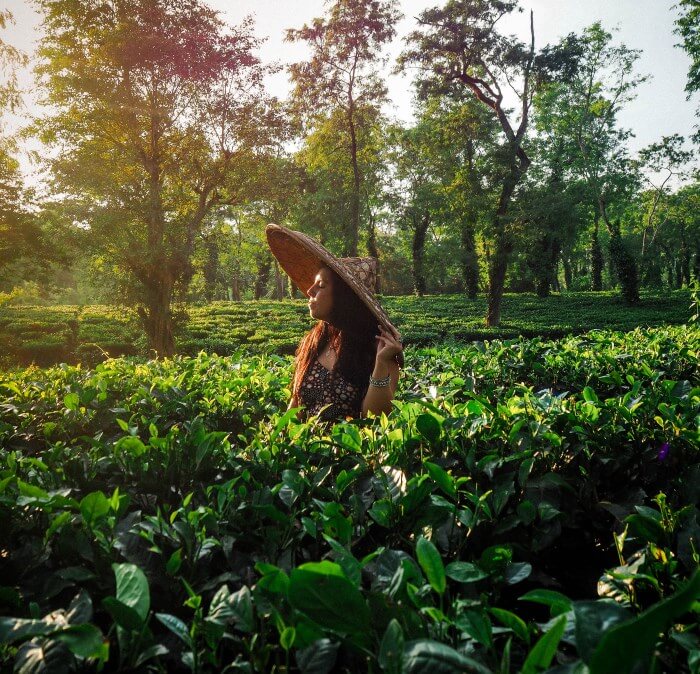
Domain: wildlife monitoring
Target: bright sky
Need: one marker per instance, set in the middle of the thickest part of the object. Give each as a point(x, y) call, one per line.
point(659, 110)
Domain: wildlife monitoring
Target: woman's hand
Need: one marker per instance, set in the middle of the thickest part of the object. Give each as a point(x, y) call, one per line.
point(388, 346)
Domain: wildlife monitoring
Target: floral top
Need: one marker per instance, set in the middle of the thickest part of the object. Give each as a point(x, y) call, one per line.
point(322, 388)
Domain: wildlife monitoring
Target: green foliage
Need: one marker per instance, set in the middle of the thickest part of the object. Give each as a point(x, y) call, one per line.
point(49, 335)
point(187, 520)
point(688, 28)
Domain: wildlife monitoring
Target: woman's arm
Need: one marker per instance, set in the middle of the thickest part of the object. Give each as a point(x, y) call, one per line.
point(378, 399)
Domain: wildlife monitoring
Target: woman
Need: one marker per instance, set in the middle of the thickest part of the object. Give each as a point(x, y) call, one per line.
point(348, 364)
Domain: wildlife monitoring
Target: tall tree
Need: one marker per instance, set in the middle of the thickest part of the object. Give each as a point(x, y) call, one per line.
point(688, 28)
point(440, 167)
point(11, 59)
point(341, 75)
point(158, 116)
point(20, 234)
point(665, 163)
point(459, 46)
point(583, 111)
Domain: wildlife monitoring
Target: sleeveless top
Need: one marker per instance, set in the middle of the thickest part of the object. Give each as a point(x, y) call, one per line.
point(321, 389)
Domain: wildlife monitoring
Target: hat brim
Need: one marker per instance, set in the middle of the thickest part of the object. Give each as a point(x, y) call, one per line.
point(301, 257)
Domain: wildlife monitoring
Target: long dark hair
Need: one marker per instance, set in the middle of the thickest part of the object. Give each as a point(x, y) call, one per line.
point(351, 331)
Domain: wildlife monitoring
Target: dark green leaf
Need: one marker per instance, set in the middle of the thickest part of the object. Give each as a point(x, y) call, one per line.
point(288, 637)
point(646, 528)
point(557, 602)
point(318, 658)
point(542, 653)
point(391, 648)
point(84, 640)
point(632, 643)
point(442, 478)
point(273, 578)
point(123, 615)
point(132, 588)
point(324, 594)
point(80, 609)
point(241, 604)
point(431, 563)
point(17, 629)
point(176, 626)
point(151, 652)
point(513, 622)
point(43, 657)
point(429, 427)
point(593, 619)
point(464, 572)
point(477, 625)
point(495, 559)
point(425, 656)
point(517, 572)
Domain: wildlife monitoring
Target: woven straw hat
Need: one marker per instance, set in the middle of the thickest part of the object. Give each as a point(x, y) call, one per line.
point(301, 257)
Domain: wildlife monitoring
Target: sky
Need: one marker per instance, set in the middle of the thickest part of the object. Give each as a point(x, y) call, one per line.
point(660, 108)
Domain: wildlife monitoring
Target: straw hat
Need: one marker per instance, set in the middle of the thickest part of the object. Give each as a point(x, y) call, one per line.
point(301, 257)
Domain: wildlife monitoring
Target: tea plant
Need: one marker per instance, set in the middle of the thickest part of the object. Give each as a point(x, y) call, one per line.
point(527, 506)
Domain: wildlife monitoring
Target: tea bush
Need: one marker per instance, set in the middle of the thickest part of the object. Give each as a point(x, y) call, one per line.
point(49, 335)
point(528, 506)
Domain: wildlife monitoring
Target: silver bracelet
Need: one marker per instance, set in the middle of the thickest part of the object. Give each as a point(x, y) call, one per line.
point(379, 383)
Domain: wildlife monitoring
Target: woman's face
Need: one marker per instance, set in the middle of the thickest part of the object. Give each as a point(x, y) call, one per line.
point(320, 295)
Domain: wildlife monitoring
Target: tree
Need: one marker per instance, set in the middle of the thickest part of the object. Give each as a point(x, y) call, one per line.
point(158, 117)
point(20, 234)
point(665, 162)
point(688, 28)
point(457, 47)
point(582, 111)
point(441, 169)
point(341, 76)
point(11, 59)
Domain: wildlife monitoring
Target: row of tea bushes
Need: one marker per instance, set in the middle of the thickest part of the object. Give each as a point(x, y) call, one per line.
point(172, 515)
point(49, 335)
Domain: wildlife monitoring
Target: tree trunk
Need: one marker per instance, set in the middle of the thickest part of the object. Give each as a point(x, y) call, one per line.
point(211, 269)
point(372, 248)
point(279, 283)
point(156, 316)
point(497, 278)
point(503, 247)
point(597, 260)
point(419, 234)
point(264, 263)
point(623, 262)
point(353, 237)
point(651, 267)
point(625, 266)
point(235, 288)
point(545, 265)
point(568, 273)
point(685, 260)
point(555, 279)
point(470, 261)
point(157, 319)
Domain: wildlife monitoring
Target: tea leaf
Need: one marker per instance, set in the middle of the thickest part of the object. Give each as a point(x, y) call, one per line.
point(431, 563)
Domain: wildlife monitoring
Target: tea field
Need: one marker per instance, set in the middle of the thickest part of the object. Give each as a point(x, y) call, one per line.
point(528, 506)
point(54, 334)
